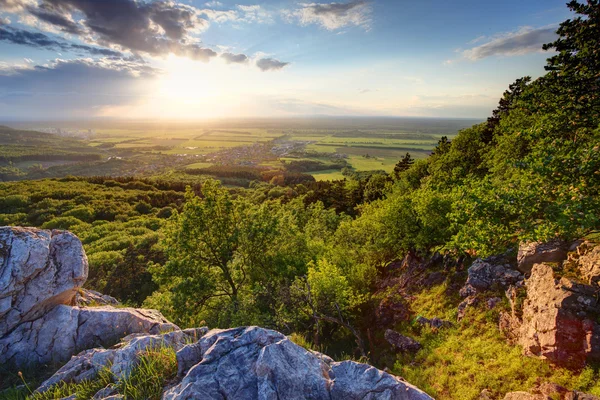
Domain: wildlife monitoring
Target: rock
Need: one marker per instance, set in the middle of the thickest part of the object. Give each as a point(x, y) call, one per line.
point(549, 391)
point(435, 322)
point(87, 298)
point(121, 359)
point(560, 320)
point(401, 342)
point(484, 274)
point(255, 363)
point(535, 252)
point(589, 263)
point(41, 273)
point(40, 269)
point(493, 302)
point(466, 303)
point(66, 330)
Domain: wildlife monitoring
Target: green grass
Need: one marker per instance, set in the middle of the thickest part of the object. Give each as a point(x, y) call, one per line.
point(328, 175)
point(155, 368)
point(459, 362)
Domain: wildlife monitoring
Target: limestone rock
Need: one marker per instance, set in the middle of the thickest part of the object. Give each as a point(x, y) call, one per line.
point(560, 320)
point(87, 298)
point(484, 274)
point(255, 363)
point(535, 252)
point(66, 330)
point(121, 359)
point(401, 342)
point(40, 269)
point(589, 263)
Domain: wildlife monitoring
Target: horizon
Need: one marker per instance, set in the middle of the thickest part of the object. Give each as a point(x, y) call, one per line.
point(199, 60)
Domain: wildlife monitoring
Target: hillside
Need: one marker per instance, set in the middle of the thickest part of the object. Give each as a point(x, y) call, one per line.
point(473, 273)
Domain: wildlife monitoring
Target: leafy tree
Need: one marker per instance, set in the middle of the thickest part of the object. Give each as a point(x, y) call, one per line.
point(216, 247)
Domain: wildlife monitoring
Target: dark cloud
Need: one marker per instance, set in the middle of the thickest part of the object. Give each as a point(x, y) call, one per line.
point(157, 28)
point(270, 64)
point(336, 15)
point(49, 14)
point(72, 88)
point(40, 40)
point(524, 41)
point(234, 58)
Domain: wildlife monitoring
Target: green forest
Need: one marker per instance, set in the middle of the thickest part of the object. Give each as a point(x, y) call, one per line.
point(320, 260)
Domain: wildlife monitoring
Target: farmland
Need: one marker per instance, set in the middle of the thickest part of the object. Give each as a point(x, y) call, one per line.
point(325, 145)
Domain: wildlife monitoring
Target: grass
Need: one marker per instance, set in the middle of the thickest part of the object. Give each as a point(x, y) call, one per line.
point(461, 361)
point(155, 368)
point(328, 175)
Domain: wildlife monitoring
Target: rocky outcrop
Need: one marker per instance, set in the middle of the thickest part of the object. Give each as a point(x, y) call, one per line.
point(560, 319)
point(255, 363)
point(247, 363)
point(487, 274)
point(402, 343)
point(121, 359)
point(588, 262)
point(549, 391)
point(531, 253)
point(40, 275)
point(40, 269)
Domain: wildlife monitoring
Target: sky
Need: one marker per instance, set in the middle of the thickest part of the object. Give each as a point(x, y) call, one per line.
point(193, 59)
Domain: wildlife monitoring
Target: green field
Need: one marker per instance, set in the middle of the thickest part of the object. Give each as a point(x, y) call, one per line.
point(360, 144)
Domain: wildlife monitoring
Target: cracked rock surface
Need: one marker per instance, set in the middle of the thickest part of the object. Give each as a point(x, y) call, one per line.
point(256, 363)
point(41, 272)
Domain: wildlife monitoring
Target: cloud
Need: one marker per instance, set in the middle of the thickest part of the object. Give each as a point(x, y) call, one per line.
point(255, 14)
point(71, 88)
point(15, 5)
point(270, 64)
point(156, 28)
point(40, 40)
point(525, 40)
point(333, 16)
point(234, 58)
point(214, 4)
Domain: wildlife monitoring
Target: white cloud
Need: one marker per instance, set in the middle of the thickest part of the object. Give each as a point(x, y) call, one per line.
point(525, 40)
point(333, 16)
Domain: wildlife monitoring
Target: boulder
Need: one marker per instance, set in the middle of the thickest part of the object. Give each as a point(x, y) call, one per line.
point(402, 343)
point(486, 274)
point(560, 320)
point(255, 363)
point(41, 273)
point(483, 274)
point(531, 253)
point(40, 269)
point(67, 330)
point(120, 360)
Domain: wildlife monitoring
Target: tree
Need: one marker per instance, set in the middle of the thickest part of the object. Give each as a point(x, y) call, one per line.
point(216, 247)
point(515, 90)
point(403, 165)
point(574, 73)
